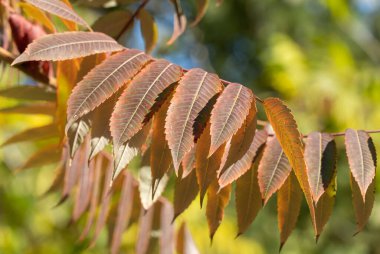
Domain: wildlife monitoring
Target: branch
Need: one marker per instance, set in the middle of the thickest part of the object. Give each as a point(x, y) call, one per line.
point(8, 58)
point(134, 15)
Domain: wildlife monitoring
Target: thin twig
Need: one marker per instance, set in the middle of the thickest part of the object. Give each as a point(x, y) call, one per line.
point(130, 21)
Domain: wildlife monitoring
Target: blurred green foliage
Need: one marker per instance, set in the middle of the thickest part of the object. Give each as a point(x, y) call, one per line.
point(321, 56)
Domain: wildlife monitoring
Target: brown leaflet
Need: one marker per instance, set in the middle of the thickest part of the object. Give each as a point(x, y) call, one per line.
point(324, 206)
point(185, 191)
point(46, 155)
point(360, 158)
point(229, 113)
point(247, 196)
point(38, 133)
point(202, 8)
point(124, 211)
point(97, 165)
point(60, 9)
point(103, 81)
point(67, 45)
point(179, 22)
point(188, 162)
point(241, 166)
point(167, 227)
point(320, 157)
point(363, 207)
point(123, 156)
point(206, 167)
point(273, 170)
point(160, 156)
point(194, 91)
point(239, 143)
point(139, 97)
point(289, 199)
point(184, 242)
point(285, 127)
point(217, 200)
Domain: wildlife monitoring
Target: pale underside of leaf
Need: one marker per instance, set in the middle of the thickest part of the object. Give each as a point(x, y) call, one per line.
point(360, 158)
point(138, 98)
point(68, 45)
point(195, 89)
point(320, 160)
point(229, 113)
point(273, 170)
point(60, 9)
point(103, 81)
point(244, 164)
point(145, 187)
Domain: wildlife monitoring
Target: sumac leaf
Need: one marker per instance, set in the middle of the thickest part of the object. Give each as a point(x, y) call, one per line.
point(38, 133)
point(217, 200)
point(229, 113)
point(32, 93)
point(289, 199)
point(46, 155)
point(68, 45)
point(185, 191)
point(248, 198)
point(148, 29)
point(146, 187)
point(103, 81)
point(139, 97)
point(179, 27)
point(60, 9)
point(273, 170)
point(195, 89)
point(184, 242)
point(320, 157)
point(285, 127)
point(241, 166)
point(113, 23)
point(201, 11)
point(360, 158)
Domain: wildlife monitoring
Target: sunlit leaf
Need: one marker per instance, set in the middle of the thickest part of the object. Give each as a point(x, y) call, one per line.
point(285, 127)
point(195, 89)
point(77, 133)
point(103, 81)
point(320, 157)
point(37, 15)
point(273, 170)
point(360, 158)
point(138, 98)
point(145, 187)
point(60, 9)
point(229, 113)
point(68, 45)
